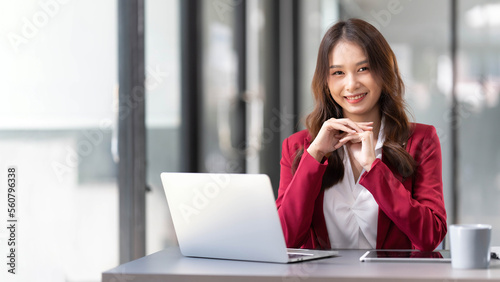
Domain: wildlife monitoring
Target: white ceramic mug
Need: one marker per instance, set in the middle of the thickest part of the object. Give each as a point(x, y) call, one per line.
point(470, 245)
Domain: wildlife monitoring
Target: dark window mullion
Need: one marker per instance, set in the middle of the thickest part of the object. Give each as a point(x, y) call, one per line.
point(131, 130)
point(190, 11)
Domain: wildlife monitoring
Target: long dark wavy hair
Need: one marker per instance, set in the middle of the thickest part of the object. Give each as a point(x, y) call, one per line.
point(383, 64)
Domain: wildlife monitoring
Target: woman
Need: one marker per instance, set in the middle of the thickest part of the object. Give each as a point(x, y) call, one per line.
point(361, 176)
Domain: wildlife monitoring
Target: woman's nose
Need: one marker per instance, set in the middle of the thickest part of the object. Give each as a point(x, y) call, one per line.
point(352, 83)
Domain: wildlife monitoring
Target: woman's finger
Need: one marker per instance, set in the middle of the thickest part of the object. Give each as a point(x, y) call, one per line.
point(338, 145)
point(365, 123)
point(352, 124)
point(344, 124)
point(353, 138)
point(340, 127)
point(366, 126)
point(341, 135)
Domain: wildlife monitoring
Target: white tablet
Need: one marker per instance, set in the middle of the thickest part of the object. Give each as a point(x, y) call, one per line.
point(406, 256)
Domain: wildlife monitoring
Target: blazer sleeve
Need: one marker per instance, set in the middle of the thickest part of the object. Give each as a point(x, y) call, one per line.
point(419, 211)
point(297, 194)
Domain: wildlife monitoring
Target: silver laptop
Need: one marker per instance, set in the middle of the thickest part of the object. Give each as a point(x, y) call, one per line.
point(229, 216)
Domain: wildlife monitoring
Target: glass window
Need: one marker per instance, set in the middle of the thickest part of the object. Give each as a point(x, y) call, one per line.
point(316, 17)
point(58, 77)
point(162, 115)
point(219, 91)
point(477, 90)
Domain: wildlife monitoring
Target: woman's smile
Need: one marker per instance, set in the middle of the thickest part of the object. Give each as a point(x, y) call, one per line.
point(355, 98)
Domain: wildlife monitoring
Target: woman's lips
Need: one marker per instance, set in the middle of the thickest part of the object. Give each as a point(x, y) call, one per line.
point(356, 98)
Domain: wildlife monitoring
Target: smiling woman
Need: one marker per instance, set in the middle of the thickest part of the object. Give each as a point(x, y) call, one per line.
point(361, 176)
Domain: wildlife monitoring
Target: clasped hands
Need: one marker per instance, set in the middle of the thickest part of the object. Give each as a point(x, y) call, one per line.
point(334, 133)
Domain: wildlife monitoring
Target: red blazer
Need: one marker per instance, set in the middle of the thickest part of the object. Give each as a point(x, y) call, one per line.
point(411, 211)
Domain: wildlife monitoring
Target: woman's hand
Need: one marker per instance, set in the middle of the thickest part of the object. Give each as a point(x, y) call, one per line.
point(330, 138)
point(362, 147)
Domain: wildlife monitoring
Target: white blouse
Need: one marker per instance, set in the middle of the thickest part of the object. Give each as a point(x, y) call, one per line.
point(351, 213)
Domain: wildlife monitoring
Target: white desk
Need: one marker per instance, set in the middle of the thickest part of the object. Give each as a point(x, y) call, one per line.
point(170, 265)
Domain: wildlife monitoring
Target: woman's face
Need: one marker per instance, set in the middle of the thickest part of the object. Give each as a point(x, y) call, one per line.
point(352, 84)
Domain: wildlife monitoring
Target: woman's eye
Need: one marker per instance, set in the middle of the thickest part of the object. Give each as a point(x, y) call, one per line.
point(363, 69)
point(337, 73)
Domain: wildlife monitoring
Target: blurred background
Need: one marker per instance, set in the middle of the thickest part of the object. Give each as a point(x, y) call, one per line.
point(223, 82)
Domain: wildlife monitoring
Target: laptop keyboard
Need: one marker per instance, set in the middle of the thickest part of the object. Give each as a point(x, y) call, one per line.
point(298, 255)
